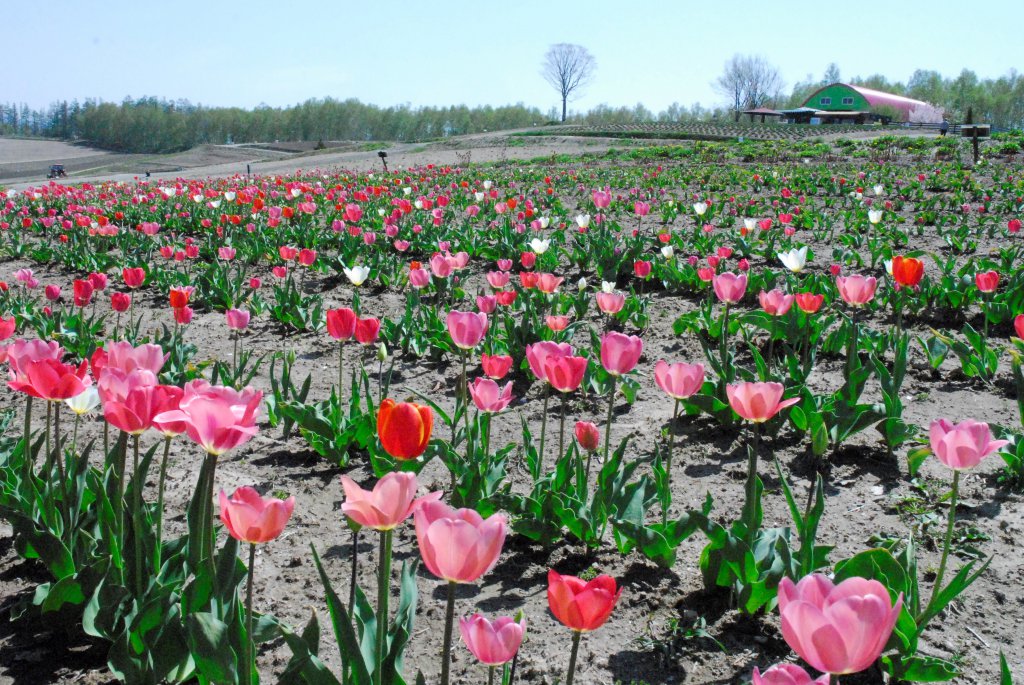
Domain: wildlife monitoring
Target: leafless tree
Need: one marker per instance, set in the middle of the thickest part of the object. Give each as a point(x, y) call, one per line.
point(749, 82)
point(568, 67)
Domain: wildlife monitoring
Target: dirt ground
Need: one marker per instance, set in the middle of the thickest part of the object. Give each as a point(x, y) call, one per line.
point(867, 496)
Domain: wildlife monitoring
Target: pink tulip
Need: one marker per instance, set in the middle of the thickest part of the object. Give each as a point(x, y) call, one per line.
point(22, 352)
point(787, 674)
point(963, 445)
point(217, 418)
point(486, 303)
point(440, 266)
point(489, 397)
point(458, 545)
point(134, 411)
point(467, 329)
point(679, 381)
point(250, 518)
point(419, 278)
point(729, 287)
point(775, 302)
point(620, 353)
point(127, 358)
point(238, 319)
point(1018, 325)
point(226, 253)
point(856, 290)
point(497, 279)
point(837, 629)
point(538, 353)
point(758, 402)
point(392, 500)
point(565, 373)
point(50, 380)
point(493, 644)
point(610, 303)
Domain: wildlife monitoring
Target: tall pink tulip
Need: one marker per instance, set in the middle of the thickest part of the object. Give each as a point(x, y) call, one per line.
point(620, 353)
point(489, 397)
point(758, 402)
point(775, 302)
point(458, 546)
point(678, 381)
point(856, 290)
point(217, 418)
point(837, 629)
point(466, 329)
point(392, 500)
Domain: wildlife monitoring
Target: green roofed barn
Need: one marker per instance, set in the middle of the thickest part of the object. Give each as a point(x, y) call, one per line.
point(846, 103)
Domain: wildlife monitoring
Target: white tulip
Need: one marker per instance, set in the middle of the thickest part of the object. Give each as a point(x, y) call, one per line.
point(581, 284)
point(357, 275)
point(85, 401)
point(879, 189)
point(888, 266)
point(544, 222)
point(874, 215)
point(230, 196)
point(539, 246)
point(701, 208)
point(750, 224)
point(607, 286)
point(488, 184)
point(197, 197)
point(407, 190)
point(794, 260)
point(214, 204)
point(667, 252)
point(478, 196)
point(582, 220)
point(296, 192)
point(382, 212)
point(169, 192)
point(418, 204)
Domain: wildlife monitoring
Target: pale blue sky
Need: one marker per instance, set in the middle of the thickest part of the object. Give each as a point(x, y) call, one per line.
point(451, 52)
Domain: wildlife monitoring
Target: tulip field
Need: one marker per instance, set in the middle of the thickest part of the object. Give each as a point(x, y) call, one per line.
point(617, 420)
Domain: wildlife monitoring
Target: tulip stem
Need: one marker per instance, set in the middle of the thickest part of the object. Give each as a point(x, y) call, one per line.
point(490, 675)
point(355, 567)
point(383, 589)
point(48, 468)
point(341, 370)
point(608, 423)
point(724, 349)
point(561, 432)
point(28, 455)
point(576, 635)
point(208, 534)
point(137, 516)
point(937, 588)
point(65, 498)
point(449, 619)
point(158, 552)
point(543, 432)
point(464, 390)
point(250, 647)
point(751, 505)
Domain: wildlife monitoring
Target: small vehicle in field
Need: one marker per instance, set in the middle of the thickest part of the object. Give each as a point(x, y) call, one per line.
point(57, 171)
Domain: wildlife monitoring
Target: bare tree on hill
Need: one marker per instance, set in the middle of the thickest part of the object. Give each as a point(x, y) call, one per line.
point(567, 68)
point(749, 82)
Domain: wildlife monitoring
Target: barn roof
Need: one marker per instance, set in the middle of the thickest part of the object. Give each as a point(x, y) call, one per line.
point(877, 98)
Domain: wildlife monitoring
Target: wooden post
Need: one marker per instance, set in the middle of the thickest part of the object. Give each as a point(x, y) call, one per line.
point(974, 142)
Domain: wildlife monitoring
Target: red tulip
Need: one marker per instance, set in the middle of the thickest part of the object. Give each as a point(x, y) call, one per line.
point(987, 281)
point(287, 252)
point(1018, 325)
point(120, 302)
point(180, 296)
point(367, 330)
point(250, 518)
point(133, 277)
point(341, 323)
point(82, 293)
point(907, 271)
point(620, 353)
point(809, 303)
point(404, 428)
point(495, 366)
point(307, 257)
point(588, 435)
point(581, 606)
point(642, 269)
point(183, 315)
point(52, 292)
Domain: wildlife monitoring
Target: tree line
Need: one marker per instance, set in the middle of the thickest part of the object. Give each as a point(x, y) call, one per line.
point(153, 125)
